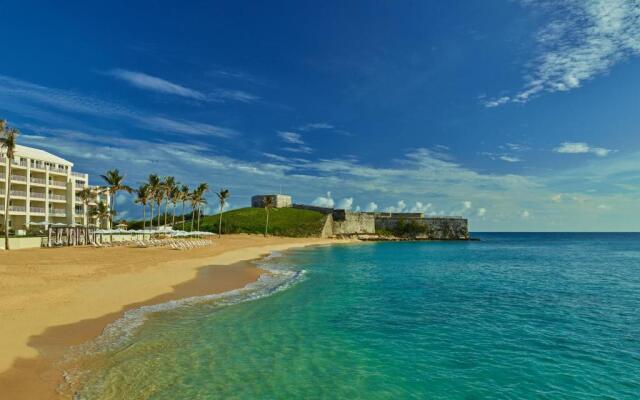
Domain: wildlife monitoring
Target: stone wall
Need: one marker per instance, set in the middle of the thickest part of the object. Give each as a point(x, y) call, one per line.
point(346, 223)
point(279, 200)
point(437, 228)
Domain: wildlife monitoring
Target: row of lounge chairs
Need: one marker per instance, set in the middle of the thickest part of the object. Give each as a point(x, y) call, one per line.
point(176, 244)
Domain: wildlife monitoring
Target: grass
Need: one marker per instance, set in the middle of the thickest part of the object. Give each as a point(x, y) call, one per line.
point(290, 222)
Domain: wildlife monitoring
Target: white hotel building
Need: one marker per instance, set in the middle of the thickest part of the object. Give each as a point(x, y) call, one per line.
point(43, 189)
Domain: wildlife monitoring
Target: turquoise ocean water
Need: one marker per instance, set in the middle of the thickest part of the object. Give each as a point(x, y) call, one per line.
point(514, 316)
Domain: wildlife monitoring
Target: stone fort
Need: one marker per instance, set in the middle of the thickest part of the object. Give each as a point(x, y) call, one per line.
point(346, 223)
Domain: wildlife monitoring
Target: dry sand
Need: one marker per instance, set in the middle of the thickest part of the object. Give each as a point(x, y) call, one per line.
point(54, 298)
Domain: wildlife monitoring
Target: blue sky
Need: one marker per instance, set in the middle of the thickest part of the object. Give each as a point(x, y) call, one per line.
point(521, 115)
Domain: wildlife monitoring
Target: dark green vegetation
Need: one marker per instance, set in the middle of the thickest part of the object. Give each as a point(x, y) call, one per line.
point(282, 222)
point(405, 229)
point(291, 222)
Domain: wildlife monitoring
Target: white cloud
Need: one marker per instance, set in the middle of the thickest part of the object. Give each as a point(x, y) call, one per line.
point(229, 94)
point(400, 206)
point(581, 148)
point(419, 207)
point(604, 207)
point(291, 137)
point(481, 212)
point(466, 205)
point(371, 207)
point(583, 39)
point(511, 159)
point(525, 214)
point(324, 201)
point(148, 82)
point(314, 126)
point(22, 98)
point(346, 203)
point(556, 198)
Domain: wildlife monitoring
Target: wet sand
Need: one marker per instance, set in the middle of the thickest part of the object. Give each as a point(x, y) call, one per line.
point(51, 299)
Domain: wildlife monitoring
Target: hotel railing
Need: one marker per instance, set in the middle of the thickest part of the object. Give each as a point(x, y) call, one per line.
point(78, 174)
point(37, 195)
point(1, 192)
point(18, 178)
point(22, 163)
point(38, 180)
point(57, 197)
point(57, 212)
point(37, 166)
point(58, 170)
point(20, 193)
point(3, 160)
point(57, 183)
point(2, 176)
point(37, 210)
point(17, 209)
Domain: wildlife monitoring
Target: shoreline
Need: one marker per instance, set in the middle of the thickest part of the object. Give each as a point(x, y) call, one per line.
point(224, 266)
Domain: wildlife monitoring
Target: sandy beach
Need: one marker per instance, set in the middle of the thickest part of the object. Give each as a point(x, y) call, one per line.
point(54, 298)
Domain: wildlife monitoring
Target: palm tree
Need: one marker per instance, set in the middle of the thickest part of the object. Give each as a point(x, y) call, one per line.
point(185, 195)
point(168, 184)
point(201, 189)
point(223, 195)
point(175, 198)
point(154, 187)
point(158, 196)
point(87, 195)
point(268, 205)
point(115, 184)
point(143, 196)
point(193, 196)
point(8, 142)
point(103, 212)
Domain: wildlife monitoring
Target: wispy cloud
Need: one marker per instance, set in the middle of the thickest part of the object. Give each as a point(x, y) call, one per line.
point(155, 84)
point(295, 139)
point(581, 148)
point(291, 137)
point(233, 95)
point(28, 99)
point(315, 125)
point(583, 39)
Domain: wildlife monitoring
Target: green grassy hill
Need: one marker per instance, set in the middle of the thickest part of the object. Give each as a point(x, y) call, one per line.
point(282, 222)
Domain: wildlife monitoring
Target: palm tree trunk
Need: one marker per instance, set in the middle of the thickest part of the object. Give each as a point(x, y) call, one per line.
point(182, 214)
point(173, 219)
point(193, 216)
point(151, 216)
point(7, 198)
point(199, 213)
point(111, 214)
point(220, 221)
point(159, 212)
point(266, 227)
point(166, 204)
point(144, 217)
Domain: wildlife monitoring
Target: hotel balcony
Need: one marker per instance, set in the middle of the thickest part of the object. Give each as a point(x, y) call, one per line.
point(57, 183)
point(18, 193)
point(37, 195)
point(58, 212)
point(37, 210)
point(78, 174)
point(57, 197)
point(18, 178)
point(38, 181)
point(2, 160)
point(21, 163)
point(56, 170)
point(14, 209)
point(37, 165)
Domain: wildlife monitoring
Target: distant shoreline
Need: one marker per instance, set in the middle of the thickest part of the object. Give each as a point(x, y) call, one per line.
point(89, 288)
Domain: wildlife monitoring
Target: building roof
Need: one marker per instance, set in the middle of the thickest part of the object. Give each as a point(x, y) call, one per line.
point(30, 152)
